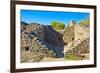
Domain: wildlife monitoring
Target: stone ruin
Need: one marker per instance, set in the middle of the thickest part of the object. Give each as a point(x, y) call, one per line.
point(38, 41)
point(76, 40)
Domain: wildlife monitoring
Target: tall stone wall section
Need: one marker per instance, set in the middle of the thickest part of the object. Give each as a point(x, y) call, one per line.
point(33, 48)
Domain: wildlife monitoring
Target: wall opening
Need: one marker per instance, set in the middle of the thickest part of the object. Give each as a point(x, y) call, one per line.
point(26, 48)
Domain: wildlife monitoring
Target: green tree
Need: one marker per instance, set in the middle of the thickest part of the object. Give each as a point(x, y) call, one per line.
point(57, 25)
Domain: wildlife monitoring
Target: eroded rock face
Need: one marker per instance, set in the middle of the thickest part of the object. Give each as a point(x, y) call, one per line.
point(76, 40)
point(32, 48)
point(37, 29)
point(69, 34)
point(81, 49)
point(41, 40)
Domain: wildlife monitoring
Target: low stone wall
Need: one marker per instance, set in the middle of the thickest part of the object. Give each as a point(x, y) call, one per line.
point(79, 49)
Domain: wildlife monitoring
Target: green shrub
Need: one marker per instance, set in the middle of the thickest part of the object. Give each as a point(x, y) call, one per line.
point(85, 22)
point(57, 25)
point(72, 57)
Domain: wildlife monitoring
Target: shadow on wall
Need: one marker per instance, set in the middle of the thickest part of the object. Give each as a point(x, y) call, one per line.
point(54, 40)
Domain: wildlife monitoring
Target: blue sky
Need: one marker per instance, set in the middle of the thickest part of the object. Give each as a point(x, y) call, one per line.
point(46, 17)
